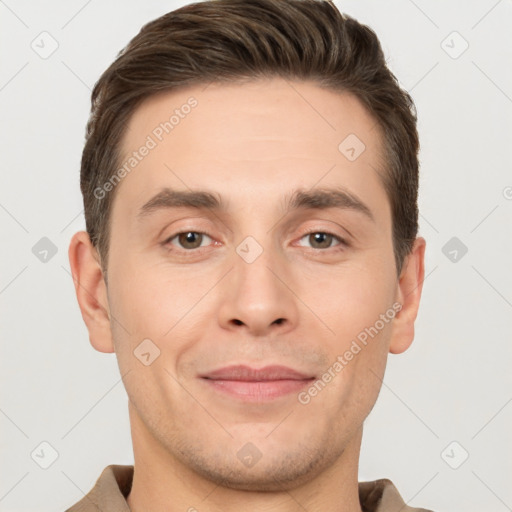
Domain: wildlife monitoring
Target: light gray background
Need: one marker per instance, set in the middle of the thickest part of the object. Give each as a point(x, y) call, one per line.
point(453, 384)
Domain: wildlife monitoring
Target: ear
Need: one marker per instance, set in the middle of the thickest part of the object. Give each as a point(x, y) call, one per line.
point(409, 289)
point(91, 291)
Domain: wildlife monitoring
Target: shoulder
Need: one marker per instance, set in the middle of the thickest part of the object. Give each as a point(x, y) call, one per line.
point(109, 492)
point(382, 496)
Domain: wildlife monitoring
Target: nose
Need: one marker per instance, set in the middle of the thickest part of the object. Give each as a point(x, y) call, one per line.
point(257, 297)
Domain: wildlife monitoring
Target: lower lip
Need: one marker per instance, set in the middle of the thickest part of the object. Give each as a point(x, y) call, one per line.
point(258, 390)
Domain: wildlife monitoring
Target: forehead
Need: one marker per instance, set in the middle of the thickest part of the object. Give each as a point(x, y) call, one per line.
point(249, 139)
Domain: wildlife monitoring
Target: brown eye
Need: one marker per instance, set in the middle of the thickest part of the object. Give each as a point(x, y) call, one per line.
point(323, 240)
point(188, 239)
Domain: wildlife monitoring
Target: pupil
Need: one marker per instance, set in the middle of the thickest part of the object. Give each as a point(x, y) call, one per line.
point(189, 239)
point(319, 236)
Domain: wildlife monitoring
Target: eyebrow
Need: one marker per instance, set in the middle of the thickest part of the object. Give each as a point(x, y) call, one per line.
point(319, 198)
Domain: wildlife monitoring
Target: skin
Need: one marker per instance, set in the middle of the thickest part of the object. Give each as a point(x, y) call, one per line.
point(254, 144)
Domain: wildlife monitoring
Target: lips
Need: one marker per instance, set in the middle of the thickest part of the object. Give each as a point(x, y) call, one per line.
point(256, 384)
point(248, 374)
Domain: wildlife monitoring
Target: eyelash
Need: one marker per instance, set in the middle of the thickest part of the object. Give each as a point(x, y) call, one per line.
point(343, 244)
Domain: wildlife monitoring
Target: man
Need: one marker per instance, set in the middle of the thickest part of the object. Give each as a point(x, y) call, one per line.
point(250, 183)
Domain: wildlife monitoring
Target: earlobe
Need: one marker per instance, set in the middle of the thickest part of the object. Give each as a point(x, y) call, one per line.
point(91, 291)
point(409, 289)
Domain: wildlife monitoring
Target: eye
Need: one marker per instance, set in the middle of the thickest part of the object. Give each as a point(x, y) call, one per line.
point(323, 240)
point(188, 239)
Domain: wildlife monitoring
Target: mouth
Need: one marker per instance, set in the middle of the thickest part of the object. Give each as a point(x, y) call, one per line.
point(255, 385)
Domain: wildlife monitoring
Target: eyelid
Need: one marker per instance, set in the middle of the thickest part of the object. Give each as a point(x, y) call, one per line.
point(186, 224)
point(168, 239)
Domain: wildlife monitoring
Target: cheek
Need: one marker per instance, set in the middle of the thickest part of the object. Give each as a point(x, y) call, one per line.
point(357, 305)
point(169, 308)
point(351, 301)
point(154, 301)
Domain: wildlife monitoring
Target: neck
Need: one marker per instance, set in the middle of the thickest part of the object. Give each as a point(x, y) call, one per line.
point(162, 483)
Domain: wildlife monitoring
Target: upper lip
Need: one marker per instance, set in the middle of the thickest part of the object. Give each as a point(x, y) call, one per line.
point(247, 373)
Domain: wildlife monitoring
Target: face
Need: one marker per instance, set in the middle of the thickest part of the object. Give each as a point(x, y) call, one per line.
point(252, 323)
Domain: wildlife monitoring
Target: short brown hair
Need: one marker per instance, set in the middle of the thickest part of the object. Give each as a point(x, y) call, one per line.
point(230, 40)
